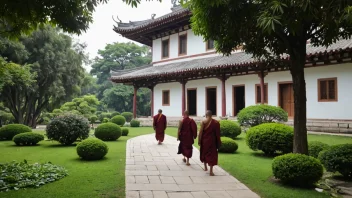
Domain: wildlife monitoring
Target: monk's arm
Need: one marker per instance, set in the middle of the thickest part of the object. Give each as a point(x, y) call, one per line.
point(179, 129)
point(200, 133)
point(217, 133)
point(154, 123)
point(194, 129)
point(165, 123)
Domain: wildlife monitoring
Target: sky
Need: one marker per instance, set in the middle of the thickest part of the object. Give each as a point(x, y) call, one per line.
point(100, 31)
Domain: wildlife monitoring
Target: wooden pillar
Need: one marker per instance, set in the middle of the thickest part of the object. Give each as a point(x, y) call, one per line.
point(262, 87)
point(183, 83)
point(223, 96)
point(152, 101)
point(135, 102)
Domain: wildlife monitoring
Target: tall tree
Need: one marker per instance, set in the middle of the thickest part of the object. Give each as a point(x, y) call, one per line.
point(17, 17)
point(85, 105)
point(58, 65)
point(270, 28)
point(119, 56)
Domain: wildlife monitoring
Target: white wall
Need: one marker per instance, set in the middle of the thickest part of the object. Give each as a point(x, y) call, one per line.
point(341, 109)
point(175, 107)
point(195, 45)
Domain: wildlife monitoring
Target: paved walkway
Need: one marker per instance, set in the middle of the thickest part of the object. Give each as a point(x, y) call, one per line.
point(157, 171)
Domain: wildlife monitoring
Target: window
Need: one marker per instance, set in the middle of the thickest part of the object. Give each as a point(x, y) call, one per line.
point(327, 89)
point(258, 93)
point(210, 44)
point(165, 48)
point(166, 98)
point(182, 44)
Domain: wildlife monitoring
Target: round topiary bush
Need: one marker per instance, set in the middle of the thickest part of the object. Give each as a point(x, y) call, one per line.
point(297, 169)
point(105, 120)
point(9, 131)
point(338, 158)
point(108, 132)
point(92, 149)
point(115, 114)
point(125, 131)
point(228, 145)
point(28, 139)
point(135, 123)
point(270, 138)
point(119, 120)
point(68, 128)
point(258, 114)
point(128, 116)
point(229, 129)
point(315, 147)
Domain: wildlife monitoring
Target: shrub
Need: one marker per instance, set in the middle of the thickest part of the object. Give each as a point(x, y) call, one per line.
point(128, 116)
point(125, 131)
point(270, 138)
point(135, 123)
point(28, 138)
point(228, 145)
point(257, 114)
point(104, 115)
point(67, 128)
point(119, 120)
point(106, 120)
point(338, 158)
point(113, 114)
point(315, 147)
point(229, 129)
point(93, 119)
point(16, 175)
point(9, 131)
point(92, 149)
point(108, 132)
point(297, 169)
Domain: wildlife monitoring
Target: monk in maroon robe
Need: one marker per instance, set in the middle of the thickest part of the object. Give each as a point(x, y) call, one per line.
point(187, 132)
point(159, 125)
point(209, 142)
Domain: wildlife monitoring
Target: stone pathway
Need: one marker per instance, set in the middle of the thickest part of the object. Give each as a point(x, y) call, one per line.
point(157, 171)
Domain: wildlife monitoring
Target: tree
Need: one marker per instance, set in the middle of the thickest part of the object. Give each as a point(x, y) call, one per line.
point(57, 64)
point(74, 16)
point(85, 105)
point(270, 28)
point(119, 56)
point(89, 85)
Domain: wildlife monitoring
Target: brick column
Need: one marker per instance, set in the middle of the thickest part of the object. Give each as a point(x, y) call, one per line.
point(183, 83)
point(262, 86)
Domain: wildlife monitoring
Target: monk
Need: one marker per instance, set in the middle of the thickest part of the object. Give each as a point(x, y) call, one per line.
point(187, 132)
point(209, 142)
point(159, 125)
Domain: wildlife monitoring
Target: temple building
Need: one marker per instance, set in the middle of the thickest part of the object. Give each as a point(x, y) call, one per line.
point(187, 73)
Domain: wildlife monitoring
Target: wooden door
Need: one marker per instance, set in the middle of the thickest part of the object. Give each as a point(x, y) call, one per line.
point(287, 101)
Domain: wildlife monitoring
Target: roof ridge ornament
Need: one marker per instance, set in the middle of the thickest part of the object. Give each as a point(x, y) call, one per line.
point(117, 17)
point(153, 16)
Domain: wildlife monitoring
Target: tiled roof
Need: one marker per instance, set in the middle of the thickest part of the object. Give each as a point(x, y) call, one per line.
point(240, 59)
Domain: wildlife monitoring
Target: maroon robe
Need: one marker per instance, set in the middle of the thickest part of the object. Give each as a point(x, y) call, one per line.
point(187, 135)
point(210, 143)
point(159, 124)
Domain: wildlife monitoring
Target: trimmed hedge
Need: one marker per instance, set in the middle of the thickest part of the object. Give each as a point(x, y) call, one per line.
point(135, 123)
point(28, 139)
point(338, 158)
point(297, 169)
point(108, 132)
point(106, 120)
point(270, 138)
point(9, 131)
point(315, 147)
point(229, 129)
point(128, 116)
point(92, 149)
point(228, 145)
point(125, 131)
point(258, 114)
point(68, 128)
point(113, 114)
point(119, 120)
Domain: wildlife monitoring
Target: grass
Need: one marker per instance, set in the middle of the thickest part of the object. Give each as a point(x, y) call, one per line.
point(254, 169)
point(105, 178)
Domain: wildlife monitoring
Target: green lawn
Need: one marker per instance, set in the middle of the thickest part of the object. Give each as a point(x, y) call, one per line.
point(104, 178)
point(254, 169)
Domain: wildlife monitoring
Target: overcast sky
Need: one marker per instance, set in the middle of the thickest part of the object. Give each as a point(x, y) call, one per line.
point(100, 31)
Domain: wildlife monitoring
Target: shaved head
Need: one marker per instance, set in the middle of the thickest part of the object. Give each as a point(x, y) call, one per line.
point(186, 113)
point(209, 113)
point(160, 111)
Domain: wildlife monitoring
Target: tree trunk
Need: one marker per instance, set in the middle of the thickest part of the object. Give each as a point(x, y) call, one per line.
point(297, 58)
